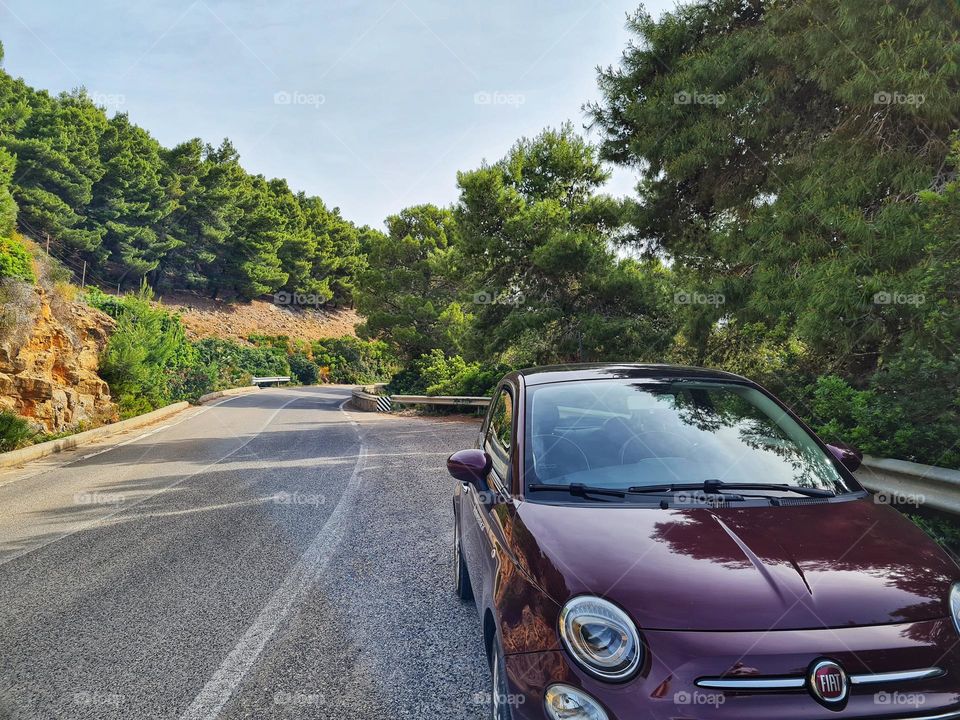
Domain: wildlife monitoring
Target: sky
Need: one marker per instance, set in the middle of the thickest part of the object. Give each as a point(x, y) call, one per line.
point(373, 105)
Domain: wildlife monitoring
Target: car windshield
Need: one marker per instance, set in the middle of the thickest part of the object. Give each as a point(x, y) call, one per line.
point(623, 434)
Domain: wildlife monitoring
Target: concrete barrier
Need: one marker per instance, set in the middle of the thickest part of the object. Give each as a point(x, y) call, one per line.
point(362, 400)
point(40, 450)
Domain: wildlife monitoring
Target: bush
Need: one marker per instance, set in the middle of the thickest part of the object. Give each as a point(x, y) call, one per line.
point(148, 361)
point(233, 364)
point(15, 260)
point(909, 410)
point(304, 371)
point(14, 431)
point(438, 374)
point(351, 361)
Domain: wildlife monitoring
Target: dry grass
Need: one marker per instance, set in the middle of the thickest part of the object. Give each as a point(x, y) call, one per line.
point(19, 306)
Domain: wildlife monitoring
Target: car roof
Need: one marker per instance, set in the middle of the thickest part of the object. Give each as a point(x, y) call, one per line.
point(621, 371)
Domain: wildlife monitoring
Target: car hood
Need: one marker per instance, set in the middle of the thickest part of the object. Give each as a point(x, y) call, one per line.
point(814, 565)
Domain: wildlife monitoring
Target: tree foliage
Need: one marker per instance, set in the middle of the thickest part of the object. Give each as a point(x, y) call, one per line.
point(104, 191)
point(795, 159)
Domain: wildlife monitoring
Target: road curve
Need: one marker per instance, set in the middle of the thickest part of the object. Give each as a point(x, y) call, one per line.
point(271, 556)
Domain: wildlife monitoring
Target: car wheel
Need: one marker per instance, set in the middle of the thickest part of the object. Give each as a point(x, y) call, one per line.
point(499, 696)
point(461, 577)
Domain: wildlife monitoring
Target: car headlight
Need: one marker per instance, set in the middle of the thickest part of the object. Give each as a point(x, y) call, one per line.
point(567, 703)
point(955, 605)
point(601, 638)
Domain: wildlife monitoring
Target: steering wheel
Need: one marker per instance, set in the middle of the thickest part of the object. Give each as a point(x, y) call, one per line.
point(555, 440)
point(652, 435)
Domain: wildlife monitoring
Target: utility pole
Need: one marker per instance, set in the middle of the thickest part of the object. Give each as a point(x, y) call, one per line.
point(83, 281)
point(48, 244)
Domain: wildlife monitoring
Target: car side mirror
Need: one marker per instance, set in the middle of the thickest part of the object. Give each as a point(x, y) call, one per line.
point(470, 466)
point(849, 456)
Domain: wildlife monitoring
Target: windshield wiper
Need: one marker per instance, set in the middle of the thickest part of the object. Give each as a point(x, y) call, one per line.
point(708, 485)
point(717, 487)
point(579, 489)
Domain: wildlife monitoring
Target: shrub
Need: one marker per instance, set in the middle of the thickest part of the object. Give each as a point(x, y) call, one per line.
point(15, 260)
point(233, 364)
point(909, 410)
point(148, 359)
point(438, 374)
point(303, 369)
point(14, 431)
point(349, 360)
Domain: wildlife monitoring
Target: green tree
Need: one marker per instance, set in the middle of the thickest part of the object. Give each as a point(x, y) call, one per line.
point(788, 140)
point(58, 162)
point(409, 292)
point(131, 201)
point(545, 283)
point(8, 206)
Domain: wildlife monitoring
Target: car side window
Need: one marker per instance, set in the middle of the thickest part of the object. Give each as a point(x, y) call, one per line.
point(500, 435)
point(501, 422)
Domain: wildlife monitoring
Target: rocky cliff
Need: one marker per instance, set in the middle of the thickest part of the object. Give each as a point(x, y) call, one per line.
point(48, 360)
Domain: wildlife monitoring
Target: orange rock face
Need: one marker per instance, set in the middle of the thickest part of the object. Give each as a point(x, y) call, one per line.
point(51, 377)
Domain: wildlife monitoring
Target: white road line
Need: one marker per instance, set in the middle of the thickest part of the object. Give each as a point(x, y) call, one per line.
point(225, 681)
point(124, 508)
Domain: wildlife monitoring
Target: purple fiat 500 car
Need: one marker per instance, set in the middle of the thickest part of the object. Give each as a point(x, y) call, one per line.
point(650, 541)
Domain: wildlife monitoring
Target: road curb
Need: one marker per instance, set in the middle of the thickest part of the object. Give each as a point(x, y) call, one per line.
point(41, 450)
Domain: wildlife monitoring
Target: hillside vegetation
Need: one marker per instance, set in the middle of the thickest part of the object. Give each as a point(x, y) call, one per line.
point(105, 193)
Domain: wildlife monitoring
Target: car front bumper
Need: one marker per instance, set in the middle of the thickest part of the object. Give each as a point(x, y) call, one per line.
point(671, 684)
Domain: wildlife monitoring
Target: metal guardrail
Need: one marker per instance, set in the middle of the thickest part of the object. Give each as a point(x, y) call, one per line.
point(908, 483)
point(440, 400)
point(267, 380)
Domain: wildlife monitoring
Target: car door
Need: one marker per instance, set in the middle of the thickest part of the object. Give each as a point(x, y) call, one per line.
point(485, 535)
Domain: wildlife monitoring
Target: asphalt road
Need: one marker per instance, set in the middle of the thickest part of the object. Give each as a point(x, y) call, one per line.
point(269, 556)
